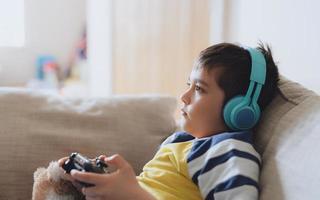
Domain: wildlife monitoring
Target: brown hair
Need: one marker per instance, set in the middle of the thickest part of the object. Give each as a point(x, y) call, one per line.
point(236, 64)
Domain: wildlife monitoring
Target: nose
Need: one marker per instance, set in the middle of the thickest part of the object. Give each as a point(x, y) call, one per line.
point(185, 97)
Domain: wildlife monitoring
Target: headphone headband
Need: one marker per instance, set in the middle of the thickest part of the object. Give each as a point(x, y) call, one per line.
point(258, 66)
point(243, 112)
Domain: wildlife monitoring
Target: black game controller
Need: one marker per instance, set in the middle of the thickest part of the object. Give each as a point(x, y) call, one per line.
point(79, 162)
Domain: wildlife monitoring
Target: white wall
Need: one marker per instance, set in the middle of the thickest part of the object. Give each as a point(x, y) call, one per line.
point(291, 27)
point(52, 27)
point(99, 18)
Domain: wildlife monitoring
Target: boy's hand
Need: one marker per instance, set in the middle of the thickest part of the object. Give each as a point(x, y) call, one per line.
point(67, 176)
point(121, 184)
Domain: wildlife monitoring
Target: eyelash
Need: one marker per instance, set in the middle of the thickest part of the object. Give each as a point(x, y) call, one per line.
point(197, 88)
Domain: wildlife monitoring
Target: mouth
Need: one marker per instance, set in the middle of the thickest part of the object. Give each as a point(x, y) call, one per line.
point(183, 112)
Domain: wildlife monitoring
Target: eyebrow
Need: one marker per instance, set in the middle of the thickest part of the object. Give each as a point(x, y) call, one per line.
point(202, 82)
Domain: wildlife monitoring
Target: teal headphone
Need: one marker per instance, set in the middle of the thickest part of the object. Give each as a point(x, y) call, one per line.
point(243, 112)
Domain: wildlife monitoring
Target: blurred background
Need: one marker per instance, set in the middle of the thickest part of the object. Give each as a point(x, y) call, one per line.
point(96, 48)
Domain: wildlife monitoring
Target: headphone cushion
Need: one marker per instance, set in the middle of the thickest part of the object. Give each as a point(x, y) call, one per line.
point(228, 108)
point(238, 115)
point(257, 111)
point(243, 117)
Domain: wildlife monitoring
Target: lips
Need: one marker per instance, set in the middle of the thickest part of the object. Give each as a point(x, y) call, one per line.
point(183, 112)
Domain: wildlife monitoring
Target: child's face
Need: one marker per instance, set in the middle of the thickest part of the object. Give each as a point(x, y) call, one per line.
point(203, 104)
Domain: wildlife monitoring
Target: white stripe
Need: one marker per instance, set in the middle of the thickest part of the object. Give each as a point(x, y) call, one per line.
point(169, 139)
point(245, 192)
point(234, 166)
point(219, 149)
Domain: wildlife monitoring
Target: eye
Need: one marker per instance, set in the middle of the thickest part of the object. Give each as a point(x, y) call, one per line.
point(198, 88)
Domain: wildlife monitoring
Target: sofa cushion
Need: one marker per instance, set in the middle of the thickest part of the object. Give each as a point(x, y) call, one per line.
point(288, 137)
point(37, 128)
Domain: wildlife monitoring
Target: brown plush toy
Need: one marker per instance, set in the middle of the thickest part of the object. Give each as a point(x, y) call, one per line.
point(50, 185)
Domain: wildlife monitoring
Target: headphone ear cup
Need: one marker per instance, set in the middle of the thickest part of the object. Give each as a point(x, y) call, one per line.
point(257, 112)
point(228, 110)
point(238, 115)
point(243, 117)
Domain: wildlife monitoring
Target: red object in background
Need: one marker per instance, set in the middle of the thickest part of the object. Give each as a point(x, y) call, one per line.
point(50, 66)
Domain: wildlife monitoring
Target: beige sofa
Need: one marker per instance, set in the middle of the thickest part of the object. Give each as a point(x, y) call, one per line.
point(36, 128)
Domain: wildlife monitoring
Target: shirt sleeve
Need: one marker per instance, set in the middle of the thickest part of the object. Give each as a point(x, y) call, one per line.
point(227, 170)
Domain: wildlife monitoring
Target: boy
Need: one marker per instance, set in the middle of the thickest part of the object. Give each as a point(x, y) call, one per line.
point(214, 157)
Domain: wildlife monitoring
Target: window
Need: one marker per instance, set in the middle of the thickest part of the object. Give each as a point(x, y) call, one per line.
point(12, 23)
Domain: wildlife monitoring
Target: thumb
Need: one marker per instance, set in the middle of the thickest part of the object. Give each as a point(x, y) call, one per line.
point(62, 160)
point(118, 161)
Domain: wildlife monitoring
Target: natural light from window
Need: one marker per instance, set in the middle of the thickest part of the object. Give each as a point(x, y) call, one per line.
point(12, 23)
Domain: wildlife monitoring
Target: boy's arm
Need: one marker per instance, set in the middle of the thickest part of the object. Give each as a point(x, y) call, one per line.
point(227, 171)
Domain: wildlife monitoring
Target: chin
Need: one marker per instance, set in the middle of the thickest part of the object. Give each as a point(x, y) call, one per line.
point(183, 124)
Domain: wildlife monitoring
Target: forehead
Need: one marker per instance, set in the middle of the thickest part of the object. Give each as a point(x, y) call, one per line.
point(202, 74)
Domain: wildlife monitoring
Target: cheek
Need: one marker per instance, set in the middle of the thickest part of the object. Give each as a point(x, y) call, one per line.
point(210, 115)
point(202, 111)
point(211, 112)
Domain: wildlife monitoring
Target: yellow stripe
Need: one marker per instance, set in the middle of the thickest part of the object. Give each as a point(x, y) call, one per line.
point(166, 176)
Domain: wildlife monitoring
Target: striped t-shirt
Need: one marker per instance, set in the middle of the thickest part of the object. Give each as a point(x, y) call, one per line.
point(222, 166)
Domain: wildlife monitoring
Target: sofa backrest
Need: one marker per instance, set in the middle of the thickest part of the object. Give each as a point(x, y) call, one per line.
point(36, 128)
point(288, 138)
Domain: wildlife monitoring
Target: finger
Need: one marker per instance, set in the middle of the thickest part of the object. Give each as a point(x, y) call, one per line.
point(67, 177)
point(62, 160)
point(102, 157)
point(87, 177)
point(93, 198)
point(118, 161)
point(94, 191)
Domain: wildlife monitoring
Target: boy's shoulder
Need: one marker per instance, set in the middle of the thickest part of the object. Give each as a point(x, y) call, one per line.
point(223, 138)
point(226, 142)
point(244, 136)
